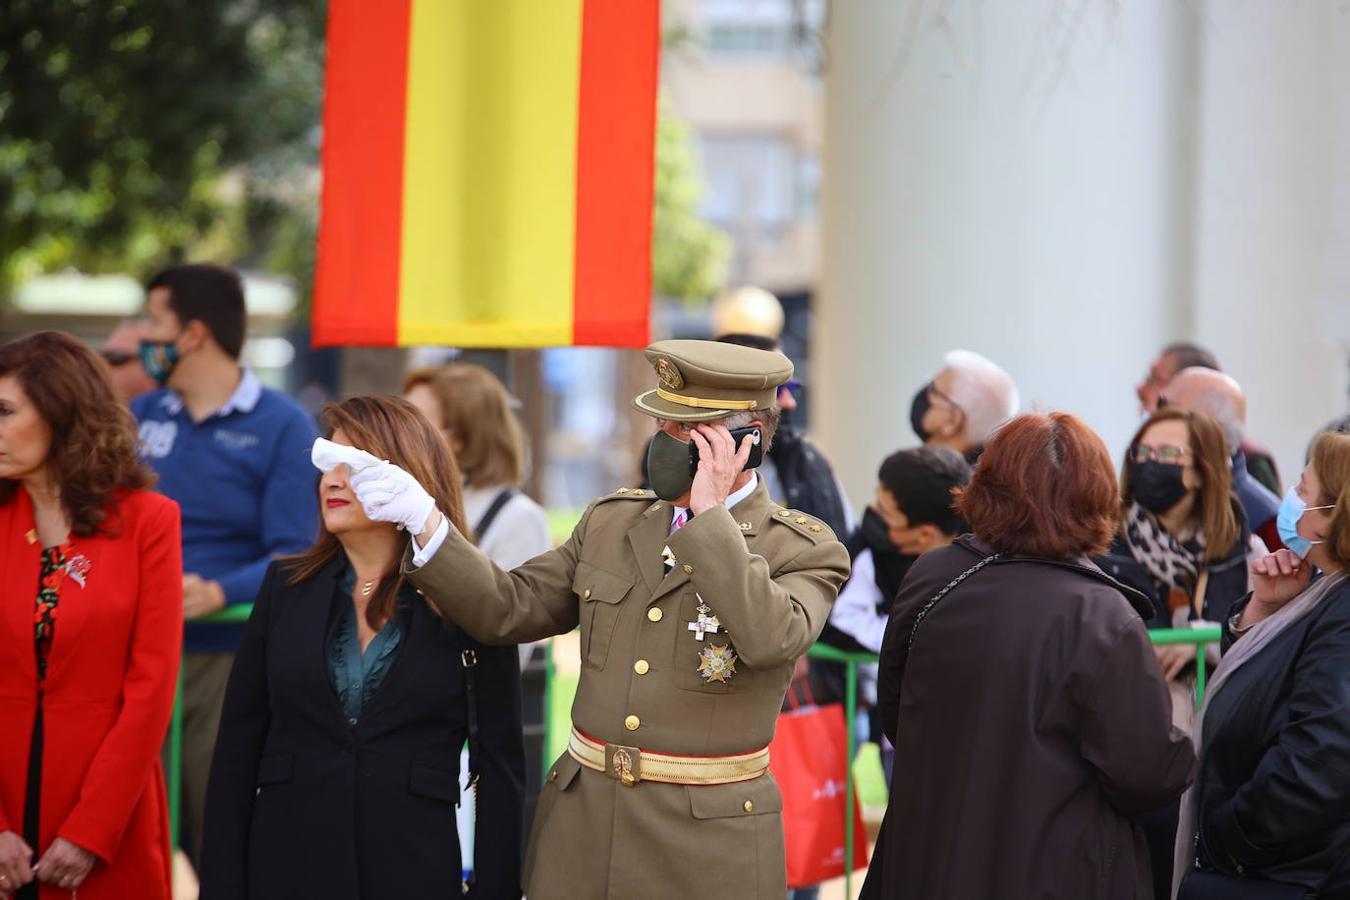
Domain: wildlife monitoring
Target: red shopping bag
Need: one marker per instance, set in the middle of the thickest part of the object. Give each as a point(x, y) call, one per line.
point(809, 759)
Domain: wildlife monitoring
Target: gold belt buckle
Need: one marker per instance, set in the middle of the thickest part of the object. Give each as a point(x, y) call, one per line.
point(623, 763)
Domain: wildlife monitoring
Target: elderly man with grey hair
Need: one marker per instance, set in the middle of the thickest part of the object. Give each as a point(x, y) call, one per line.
point(1220, 397)
point(967, 399)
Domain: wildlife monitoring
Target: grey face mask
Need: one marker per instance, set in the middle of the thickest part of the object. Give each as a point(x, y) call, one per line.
point(668, 466)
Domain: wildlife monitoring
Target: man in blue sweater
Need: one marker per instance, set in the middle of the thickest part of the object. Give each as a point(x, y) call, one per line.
point(234, 454)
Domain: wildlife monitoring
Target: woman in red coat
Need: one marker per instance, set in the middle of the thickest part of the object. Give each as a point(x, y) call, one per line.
point(91, 612)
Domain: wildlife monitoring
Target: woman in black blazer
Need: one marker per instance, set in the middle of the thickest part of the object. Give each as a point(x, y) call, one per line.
point(336, 773)
point(1269, 815)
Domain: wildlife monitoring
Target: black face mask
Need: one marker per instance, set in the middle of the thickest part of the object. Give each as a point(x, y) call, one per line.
point(1157, 486)
point(917, 410)
point(788, 435)
point(668, 466)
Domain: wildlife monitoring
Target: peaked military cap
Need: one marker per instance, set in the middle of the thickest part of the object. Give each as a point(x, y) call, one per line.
point(703, 380)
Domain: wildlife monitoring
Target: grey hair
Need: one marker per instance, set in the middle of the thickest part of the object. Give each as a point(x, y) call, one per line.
point(770, 416)
point(985, 393)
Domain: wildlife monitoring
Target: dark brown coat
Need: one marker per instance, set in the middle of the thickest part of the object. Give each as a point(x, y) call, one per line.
point(1031, 723)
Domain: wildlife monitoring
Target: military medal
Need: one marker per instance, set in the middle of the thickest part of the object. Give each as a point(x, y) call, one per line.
point(705, 623)
point(717, 662)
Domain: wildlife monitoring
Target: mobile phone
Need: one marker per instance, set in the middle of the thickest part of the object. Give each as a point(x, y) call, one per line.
point(737, 435)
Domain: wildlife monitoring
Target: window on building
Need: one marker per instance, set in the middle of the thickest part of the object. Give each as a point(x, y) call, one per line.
point(759, 182)
point(757, 28)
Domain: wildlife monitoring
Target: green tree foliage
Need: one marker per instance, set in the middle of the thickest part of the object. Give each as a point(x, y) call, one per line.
point(134, 132)
point(689, 256)
point(137, 132)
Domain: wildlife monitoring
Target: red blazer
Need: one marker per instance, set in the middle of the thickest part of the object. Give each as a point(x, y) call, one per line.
point(109, 692)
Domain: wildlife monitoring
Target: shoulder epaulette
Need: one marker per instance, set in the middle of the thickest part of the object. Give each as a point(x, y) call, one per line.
point(629, 494)
point(808, 526)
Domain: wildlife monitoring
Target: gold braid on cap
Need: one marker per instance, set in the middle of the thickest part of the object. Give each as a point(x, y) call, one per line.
point(701, 403)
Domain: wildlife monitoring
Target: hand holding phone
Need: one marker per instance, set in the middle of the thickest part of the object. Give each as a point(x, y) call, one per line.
point(737, 435)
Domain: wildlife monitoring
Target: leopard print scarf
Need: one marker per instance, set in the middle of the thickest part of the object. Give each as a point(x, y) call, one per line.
point(1168, 560)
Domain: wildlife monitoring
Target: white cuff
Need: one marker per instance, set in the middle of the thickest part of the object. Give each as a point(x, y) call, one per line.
point(422, 555)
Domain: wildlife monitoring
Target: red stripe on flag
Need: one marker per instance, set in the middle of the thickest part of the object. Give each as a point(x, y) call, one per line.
point(616, 135)
point(357, 271)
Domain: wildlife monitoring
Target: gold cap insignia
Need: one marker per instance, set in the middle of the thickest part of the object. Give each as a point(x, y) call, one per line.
point(669, 374)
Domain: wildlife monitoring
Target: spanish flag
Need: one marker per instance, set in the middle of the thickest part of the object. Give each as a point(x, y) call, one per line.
point(487, 173)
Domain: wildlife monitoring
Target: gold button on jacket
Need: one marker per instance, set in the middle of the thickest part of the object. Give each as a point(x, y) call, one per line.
point(769, 585)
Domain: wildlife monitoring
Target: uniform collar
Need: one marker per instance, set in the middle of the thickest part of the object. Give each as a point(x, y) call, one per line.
point(244, 399)
point(731, 501)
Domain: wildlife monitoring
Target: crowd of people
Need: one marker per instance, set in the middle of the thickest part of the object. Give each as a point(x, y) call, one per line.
point(1007, 572)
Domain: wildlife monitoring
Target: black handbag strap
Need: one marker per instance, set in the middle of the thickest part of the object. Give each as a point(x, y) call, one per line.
point(469, 657)
point(928, 607)
point(498, 504)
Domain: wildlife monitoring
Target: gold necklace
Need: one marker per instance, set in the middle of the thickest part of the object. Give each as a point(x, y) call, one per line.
point(367, 587)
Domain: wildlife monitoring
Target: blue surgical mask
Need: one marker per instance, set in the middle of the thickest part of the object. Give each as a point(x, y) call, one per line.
point(1292, 509)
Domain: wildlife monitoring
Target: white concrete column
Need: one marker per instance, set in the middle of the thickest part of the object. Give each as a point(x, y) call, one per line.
point(1013, 177)
point(1273, 248)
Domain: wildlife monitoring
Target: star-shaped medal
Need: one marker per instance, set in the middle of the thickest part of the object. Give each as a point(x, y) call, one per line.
point(717, 662)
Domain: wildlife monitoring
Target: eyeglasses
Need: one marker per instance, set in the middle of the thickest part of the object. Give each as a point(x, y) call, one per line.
point(116, 358)
point(932, 388)
point(791, 387)
point(1172, 456)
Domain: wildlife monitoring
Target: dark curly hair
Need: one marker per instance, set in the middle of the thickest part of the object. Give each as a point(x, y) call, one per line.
point(93, 454)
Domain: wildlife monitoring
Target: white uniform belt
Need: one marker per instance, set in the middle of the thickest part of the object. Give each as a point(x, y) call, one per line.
point(630, 765)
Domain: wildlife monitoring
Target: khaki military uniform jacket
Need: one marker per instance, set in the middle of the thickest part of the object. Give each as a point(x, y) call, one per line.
point(769, 576)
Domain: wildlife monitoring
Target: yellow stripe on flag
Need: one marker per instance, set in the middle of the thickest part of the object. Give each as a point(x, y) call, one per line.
point(489, 186)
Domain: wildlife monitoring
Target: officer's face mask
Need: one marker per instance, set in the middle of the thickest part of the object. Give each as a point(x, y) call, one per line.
point(668, 466)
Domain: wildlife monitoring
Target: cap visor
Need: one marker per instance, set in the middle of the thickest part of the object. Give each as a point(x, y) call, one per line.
point(658, 407)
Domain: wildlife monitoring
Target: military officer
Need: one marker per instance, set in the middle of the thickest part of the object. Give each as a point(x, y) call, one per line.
point(694, 600)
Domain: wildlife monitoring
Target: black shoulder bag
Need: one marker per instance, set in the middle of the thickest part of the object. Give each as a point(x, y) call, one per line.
point(498, 504)
point(928, 607)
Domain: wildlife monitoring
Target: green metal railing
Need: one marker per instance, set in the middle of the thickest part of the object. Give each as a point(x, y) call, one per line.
point(1200, 637)
point(174, 775)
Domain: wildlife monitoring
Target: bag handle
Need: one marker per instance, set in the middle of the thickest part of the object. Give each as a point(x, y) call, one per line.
point(802, 685)
point(490, 516)
point(928, 607)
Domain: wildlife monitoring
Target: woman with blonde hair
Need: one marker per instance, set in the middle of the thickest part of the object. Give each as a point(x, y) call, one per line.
point(1269, 815)
point(472, 407)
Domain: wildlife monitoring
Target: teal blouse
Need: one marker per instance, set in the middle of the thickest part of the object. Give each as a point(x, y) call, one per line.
point(357, 676)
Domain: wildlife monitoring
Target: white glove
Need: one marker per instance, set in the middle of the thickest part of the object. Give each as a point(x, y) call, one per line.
point(327, 456)
point(389, 494)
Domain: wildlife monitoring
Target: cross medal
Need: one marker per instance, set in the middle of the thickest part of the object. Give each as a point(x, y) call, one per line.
point(705, 624)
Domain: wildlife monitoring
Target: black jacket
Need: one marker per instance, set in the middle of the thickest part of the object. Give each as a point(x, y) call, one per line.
point(1227, 577)
point(1274, 780)
point(302, 805)
point(1031, 726)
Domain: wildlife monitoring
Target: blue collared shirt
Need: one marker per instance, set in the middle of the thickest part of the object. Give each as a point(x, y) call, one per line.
point(244, 482)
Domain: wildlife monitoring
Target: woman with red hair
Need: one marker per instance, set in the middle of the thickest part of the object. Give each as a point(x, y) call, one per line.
point(1017, 683)
point(91, 626)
